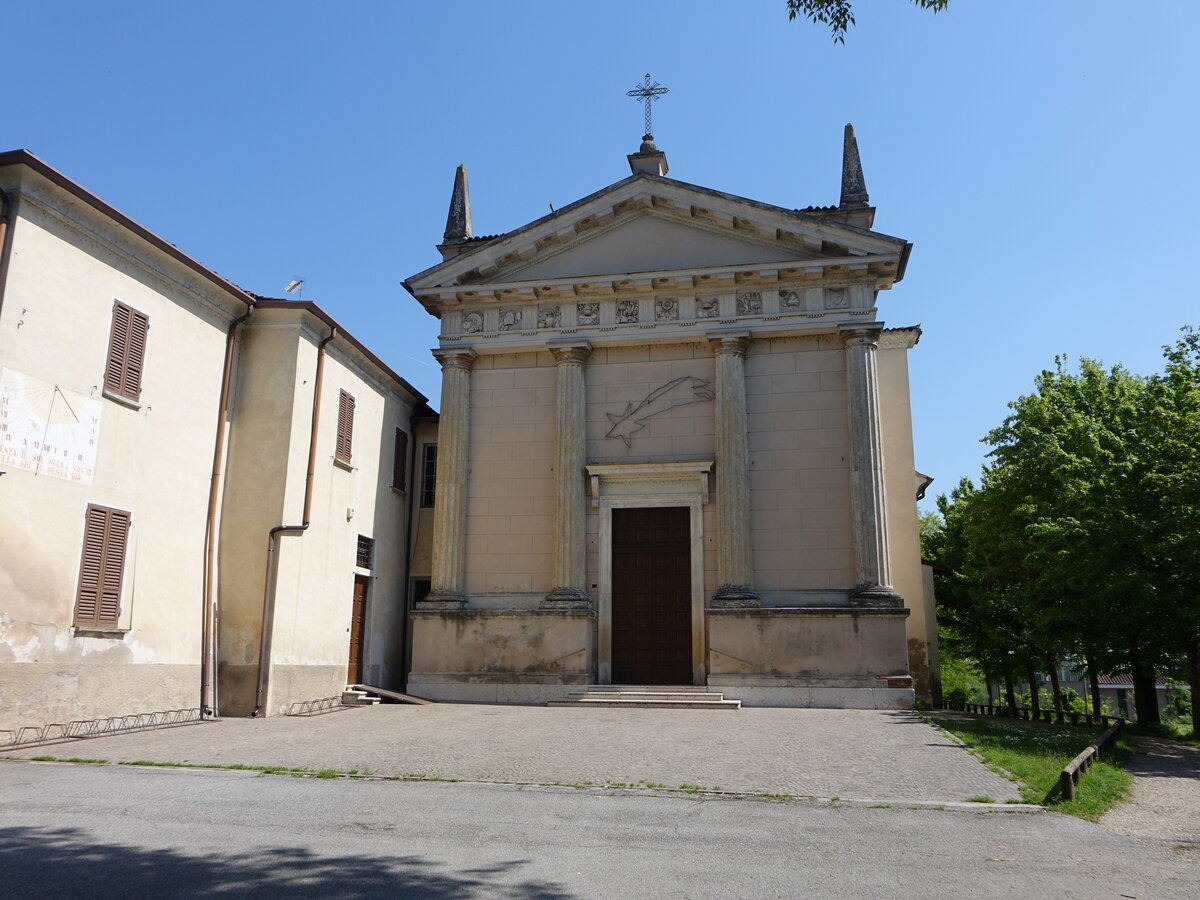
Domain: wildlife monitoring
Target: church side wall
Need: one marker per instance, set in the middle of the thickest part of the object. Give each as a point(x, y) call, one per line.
point(903, 533)
point(153, 460)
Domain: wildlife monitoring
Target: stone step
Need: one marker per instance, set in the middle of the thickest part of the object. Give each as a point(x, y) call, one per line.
point(351, 697)
point(638, 703)
point(706, 697)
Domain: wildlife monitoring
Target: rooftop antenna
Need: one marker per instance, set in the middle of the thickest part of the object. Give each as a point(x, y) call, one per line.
point(296, 284)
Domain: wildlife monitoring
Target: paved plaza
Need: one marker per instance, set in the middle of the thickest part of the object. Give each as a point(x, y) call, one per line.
point(880, 756)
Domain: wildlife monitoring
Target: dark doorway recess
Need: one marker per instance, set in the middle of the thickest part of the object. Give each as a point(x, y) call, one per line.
point(652, 596)
point(358, 630)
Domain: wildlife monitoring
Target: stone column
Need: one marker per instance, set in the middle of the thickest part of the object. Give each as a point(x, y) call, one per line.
point(868, 493)
point(570, 457)
point(450, 490)
point(735, 565)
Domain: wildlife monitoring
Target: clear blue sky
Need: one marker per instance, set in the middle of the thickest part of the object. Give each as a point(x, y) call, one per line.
point(1040, 156)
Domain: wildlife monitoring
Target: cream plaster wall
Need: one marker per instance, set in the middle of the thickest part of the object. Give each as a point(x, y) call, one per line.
point(510, 493)
point(314, 569)
point(67, 267)
point(799, 468)
point(903, 534)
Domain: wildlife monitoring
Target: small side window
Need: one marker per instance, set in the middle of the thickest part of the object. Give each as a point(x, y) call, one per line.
point(400, 461)
point(102, 570)
point(126, 352)
point(428, 474)
point(345, 428)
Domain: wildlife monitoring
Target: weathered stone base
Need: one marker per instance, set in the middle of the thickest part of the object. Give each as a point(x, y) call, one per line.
point(47, 693)
point(806, 693)
point(501, 656)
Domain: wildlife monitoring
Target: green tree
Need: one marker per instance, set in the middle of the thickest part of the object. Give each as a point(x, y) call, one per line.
point(839, 15)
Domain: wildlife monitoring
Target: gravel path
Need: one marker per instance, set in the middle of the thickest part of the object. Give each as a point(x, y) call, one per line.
point(1164, 805)
point(852, 754)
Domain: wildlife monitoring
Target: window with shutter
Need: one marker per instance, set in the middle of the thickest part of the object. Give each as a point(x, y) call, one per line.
point(428, 474)
point(345, 427)
point(102, 569)
point(126, 352)
point(400, 461)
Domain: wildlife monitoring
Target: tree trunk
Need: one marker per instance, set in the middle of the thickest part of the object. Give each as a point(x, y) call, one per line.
point(1058, 704)
point(1143, 678)
point(1035, 702)
point(1010, 693)
point(1095, 684)
point(1193, 667)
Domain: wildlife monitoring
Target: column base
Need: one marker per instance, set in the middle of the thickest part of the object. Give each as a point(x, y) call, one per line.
point(735, 596)
point(877, 597)
point(445, 599)
point(567, 598)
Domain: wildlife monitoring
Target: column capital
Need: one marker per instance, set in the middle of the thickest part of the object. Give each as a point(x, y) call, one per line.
point(566, 352)
point(862, 334)
point(455, 357)
point(729, 342)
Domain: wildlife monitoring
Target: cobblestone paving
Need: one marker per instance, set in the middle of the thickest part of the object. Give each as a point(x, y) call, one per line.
point(1164, 805)
point(851, 754)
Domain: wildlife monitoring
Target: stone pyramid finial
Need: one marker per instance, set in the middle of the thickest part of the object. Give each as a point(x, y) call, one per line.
point(458, 220)
point(854, 186)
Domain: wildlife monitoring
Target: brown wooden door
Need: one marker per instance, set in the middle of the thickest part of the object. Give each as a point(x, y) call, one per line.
point(652, 602)
point(358, 630)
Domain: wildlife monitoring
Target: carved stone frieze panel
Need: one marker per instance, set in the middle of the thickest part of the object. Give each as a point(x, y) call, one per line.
point(627, 311)
point(707, 307)
point(472, 322)
point(666, 309)
point(791, 300)
point(749, 303)
point(588, 313)
point(510, 319)
point(549, 317)
point(837, 298)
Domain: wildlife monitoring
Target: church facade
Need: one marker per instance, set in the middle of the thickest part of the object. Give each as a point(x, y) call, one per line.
point(674, 448)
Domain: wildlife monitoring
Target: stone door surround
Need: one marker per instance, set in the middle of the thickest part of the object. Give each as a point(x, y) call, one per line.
point(650, 485)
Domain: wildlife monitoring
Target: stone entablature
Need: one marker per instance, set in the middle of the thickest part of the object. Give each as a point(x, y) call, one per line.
point(666, 317)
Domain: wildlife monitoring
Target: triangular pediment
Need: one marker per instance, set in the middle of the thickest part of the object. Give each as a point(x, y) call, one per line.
point(646, 226)
point(651, 243)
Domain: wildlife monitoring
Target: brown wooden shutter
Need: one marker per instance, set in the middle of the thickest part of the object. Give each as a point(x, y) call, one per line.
point(345, 427)
point(101, 572)
point(399, 469)
point(126, 351)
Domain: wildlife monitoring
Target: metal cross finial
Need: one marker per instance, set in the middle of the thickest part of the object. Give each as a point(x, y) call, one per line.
point(647, 92)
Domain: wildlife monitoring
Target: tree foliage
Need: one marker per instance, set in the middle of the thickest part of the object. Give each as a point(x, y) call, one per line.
point(1082, 539)
point(839, 15)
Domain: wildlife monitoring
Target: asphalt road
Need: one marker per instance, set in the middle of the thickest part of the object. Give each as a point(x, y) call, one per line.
point(70, 830)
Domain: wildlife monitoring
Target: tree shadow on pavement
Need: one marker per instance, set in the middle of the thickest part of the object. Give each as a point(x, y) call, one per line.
point(58, 862)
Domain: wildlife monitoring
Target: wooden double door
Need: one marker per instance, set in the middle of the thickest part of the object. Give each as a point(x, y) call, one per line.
point(651, 596)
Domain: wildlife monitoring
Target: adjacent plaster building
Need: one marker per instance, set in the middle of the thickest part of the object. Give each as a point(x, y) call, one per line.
point(675, 448)
point(204, 499)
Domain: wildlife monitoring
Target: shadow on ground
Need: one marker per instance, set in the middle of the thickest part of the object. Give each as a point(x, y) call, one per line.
point(58, 862)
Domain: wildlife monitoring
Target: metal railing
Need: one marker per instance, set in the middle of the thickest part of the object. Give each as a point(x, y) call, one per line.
point(1049, 716)
point(316, 707)
point(57, 733)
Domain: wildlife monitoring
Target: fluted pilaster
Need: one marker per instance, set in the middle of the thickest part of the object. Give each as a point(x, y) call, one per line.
point(450, 491)
point(570, 499)
point(735, 564)
point(868, 492)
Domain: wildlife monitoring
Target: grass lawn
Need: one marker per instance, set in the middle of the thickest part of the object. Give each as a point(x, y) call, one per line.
point(1037, 753)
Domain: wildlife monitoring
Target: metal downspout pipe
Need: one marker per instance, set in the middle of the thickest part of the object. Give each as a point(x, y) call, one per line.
point(209, 700)
point(268, 604)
